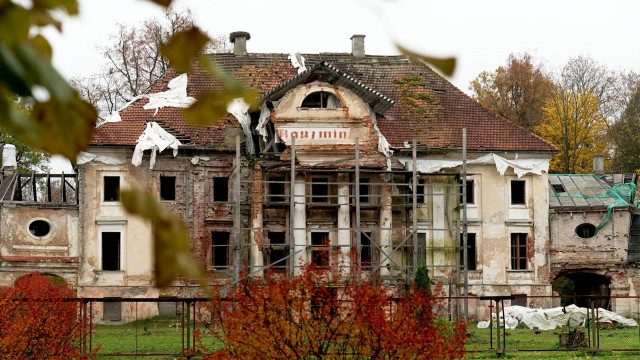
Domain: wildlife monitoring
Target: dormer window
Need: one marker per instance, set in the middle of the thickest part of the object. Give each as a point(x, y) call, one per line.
point(321, 100)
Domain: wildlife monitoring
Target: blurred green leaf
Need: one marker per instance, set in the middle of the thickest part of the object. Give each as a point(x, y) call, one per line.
point(446, 65)
point(14, 24)
point(70, 6)
point(171, 239)
point(42, 46)
point(44, 18)
point(183, 47)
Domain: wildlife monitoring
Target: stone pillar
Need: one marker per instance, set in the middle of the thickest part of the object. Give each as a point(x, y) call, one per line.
point(385, 237)
point(299, 239)
point(257, 234)
point(344, 220)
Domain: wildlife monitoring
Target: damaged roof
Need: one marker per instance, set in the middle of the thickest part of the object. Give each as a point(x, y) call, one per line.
point(412, 101)
point(573, 192)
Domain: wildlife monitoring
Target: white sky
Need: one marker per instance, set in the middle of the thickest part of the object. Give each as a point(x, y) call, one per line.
point(481, 34)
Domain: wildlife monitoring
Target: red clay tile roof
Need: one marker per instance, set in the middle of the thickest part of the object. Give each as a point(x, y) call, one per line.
point(427, 107)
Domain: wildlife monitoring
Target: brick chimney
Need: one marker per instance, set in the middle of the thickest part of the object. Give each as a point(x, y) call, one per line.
point(239, 41)
point(357, 46)
point(598, 164)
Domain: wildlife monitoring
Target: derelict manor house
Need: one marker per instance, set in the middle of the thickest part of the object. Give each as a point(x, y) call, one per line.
point(350, 158)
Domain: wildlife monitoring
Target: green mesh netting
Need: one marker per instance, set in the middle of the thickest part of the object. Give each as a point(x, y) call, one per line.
point(622, 195)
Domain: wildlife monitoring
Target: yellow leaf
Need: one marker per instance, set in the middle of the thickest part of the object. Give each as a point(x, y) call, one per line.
point(446, 65)
point(183, 47)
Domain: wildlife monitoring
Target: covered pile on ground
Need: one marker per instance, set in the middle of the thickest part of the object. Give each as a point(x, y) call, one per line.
point(549, 319)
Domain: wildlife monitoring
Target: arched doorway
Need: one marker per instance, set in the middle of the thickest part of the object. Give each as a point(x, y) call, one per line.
point(583, 283)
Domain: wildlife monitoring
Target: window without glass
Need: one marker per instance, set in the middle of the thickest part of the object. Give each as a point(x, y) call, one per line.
point(39, 228)
point(278, 248)
point(471, 251)
point(112, 311)
point(221, 189)
point(319, 190)
point(518, 251)
point(168, 188)
point(111, 188)
point(366, 250)
point(420, 192)
point(321, 100)
point(220, 250)
point(470, 194)
point(111, 251)
point(364, 189)
point(276, 189)
point(319, 248)
point(586, 231)
point(518, 192)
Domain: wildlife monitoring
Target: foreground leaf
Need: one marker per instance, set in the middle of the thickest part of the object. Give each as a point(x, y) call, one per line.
point(183, 47)
point(446, 65)
point(171, 239)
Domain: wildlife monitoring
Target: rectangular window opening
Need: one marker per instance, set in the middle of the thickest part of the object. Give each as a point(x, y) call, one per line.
point(519, 254)
point(111, 251)
point(471, 251)
point(319, 248)
point(220, 189)
point(364, 189)
point(470, 194)
point(319, 190)
point(276, 189)
point(112, 311)
point(111, 188)
point(168, 188)
point(220, 250)
point(420, 192)
point(518, 192)
point(366, 250)
point(278, 251)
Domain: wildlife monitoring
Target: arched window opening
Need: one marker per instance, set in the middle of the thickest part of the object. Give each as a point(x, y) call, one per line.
point(586, 231)
point(321, 100)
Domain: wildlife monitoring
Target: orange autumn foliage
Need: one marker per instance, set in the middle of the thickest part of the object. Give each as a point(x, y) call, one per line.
point(40, 320)
point(323, 314)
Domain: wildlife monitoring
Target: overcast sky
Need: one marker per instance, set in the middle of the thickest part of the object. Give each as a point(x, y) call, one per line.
point(481, 34)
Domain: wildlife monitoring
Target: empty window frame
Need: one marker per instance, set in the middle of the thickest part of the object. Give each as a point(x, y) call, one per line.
point(470, 195)
point(111, 244)
point(276, 189)
point(168, 188)
point(220, 250)
point(519, 255)
point(319, 190)
point(277, 251)
point(518, 192)
point(111, 188)
point(366, 250)
point(471, 251)
point(321, 100)
point(112, 310)
point(365, 191)
point(220, 189)
point(319, 248)
point(420, 192)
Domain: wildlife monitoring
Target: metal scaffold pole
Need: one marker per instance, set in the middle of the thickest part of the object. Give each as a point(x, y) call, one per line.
point(464, 223)
point(292, 204)
point(237, 222)
point(414, 198)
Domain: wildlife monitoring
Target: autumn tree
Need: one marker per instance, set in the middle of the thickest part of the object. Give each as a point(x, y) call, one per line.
point(626, 134)
point(40, 320)
point(326, 314)
point(517, 90)
point(135, 60)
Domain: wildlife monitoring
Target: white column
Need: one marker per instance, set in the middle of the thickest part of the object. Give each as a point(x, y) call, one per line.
point(385, 227)
point(299, 241)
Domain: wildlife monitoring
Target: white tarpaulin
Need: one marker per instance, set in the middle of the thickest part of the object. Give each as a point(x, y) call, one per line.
point(154, 138)
point(520, 166)
point(297, 61)
point(9, 156)
point(240, 110)
point(196, 159)
point(383, 145)
point(85, 157)
point(263, 120)
point(549, 319)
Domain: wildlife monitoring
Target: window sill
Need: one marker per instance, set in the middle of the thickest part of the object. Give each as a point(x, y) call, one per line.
point(524, 271)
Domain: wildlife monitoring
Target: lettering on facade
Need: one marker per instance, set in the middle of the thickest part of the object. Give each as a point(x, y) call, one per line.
point(316, 134)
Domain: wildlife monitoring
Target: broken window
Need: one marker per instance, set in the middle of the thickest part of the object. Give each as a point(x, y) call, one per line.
point(111, 188)
point(586, 230)
point(518, 192)
point(111, 251)
point(277, 251)
point(276, 189)
point(519, 251)
point(364, 190)
point(220, 250)
point(111, 310)
point(168, 188)
point(471, 251)
point(366, 250)
point(319, 248)
point(420, 192)
point(319, 190)
point(39, 228)
point(221, 189)
point(321, 100)
point(470, 194)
